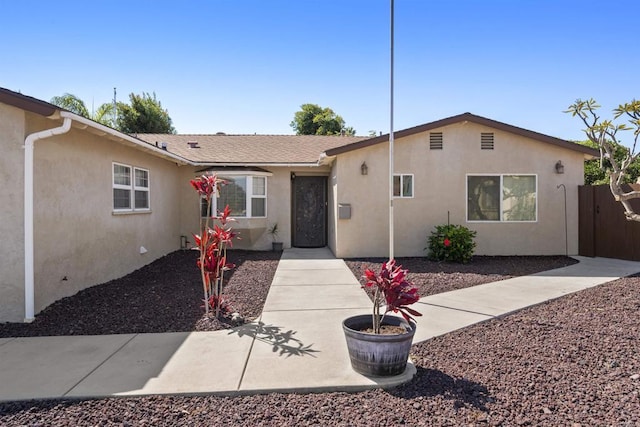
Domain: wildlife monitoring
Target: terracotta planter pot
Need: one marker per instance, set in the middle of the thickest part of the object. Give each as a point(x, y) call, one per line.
point(378, 355)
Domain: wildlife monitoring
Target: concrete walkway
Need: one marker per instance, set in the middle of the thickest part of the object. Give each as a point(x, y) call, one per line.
point(297, 345)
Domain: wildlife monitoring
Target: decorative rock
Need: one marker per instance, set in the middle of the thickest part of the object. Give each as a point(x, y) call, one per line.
point(634, 377)
point(237, 319)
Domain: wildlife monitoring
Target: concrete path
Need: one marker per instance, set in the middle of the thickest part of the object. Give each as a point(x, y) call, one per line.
point(297, 345)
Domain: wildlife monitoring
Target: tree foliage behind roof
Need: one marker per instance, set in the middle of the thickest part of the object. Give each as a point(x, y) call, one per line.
point(315, 120)
point(144, 115)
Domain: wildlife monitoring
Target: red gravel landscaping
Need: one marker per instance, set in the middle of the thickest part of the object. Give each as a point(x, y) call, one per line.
point(569, 362)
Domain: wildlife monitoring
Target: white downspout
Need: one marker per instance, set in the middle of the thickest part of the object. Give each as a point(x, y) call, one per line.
point(29, 274)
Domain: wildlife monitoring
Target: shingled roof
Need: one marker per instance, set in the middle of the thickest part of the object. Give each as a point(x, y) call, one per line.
point(249, 149)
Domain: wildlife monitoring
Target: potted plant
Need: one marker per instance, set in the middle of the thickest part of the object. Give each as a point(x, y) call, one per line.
point(275, 245)
point(378, 344)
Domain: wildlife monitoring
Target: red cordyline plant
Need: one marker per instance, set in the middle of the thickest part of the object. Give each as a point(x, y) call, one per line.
point(212, 244)
point(391, 288)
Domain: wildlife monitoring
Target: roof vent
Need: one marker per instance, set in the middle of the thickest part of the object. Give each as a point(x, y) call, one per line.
point(220, 133)
point(193, 144)
point(163, 145)
point(486, 141)
point(435, 141)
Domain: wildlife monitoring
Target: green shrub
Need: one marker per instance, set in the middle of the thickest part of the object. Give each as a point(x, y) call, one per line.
point(451, 243)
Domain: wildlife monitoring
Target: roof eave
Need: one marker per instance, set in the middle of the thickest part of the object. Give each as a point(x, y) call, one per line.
point(461, 118)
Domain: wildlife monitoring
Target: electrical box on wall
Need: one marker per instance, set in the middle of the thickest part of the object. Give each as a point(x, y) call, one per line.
point(344, 211)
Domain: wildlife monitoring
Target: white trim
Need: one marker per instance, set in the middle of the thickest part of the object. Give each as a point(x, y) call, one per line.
point(132, 187)
point(501, 194)
point(29, 243)
point(146, 189)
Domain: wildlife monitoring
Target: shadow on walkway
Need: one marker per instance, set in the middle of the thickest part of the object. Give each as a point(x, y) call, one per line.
point(282, 342)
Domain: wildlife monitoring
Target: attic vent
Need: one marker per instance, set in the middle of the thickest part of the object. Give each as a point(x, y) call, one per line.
point(435, 141)
point(193, 144)
point(486, 141)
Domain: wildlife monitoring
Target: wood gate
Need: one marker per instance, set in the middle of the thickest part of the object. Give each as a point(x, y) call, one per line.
point(604, 230)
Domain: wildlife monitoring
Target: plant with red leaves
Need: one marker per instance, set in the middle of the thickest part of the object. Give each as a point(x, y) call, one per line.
point(212, 244)
point(392, 288)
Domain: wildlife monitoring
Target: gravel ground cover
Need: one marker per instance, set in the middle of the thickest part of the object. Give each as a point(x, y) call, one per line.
point(569, 362)
point(164, 296)
point(436, 277)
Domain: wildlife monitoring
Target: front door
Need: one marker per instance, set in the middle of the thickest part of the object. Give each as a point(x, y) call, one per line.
point(309, 211)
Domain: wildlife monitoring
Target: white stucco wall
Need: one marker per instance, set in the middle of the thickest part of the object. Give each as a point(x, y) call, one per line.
point(12, 132)
point(440, 187)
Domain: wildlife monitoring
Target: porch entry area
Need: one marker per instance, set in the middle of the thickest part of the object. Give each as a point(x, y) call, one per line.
point(309, 211)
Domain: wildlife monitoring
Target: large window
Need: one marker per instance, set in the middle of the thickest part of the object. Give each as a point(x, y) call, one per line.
point(509, 198)
point(403, 186)
point(130, 193)
point(245, 195)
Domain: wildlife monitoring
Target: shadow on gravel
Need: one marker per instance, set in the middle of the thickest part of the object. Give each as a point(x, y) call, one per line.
point(283, 342)
point(432, 382)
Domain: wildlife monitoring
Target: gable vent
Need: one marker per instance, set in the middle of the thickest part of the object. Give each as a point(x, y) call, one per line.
point(435, 141)
point(486, 141)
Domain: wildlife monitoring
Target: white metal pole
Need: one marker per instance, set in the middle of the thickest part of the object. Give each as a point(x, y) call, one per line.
point(391, 168)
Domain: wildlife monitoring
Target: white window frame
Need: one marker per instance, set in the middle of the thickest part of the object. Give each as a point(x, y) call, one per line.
point(413, 185)
point(141, 188)
point(501, 192)
point(249, 193)
point(132, 188)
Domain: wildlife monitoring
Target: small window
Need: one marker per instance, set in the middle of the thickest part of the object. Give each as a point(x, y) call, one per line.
point(141, 189)
point(403, 186)
point(509, 198)
point(435, 141)
point(130, 194)
point(486, 141)
point(259, 197)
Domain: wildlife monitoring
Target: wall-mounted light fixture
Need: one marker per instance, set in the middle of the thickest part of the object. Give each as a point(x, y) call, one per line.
point(559, 167)
point(293, 176)
point(364, 169)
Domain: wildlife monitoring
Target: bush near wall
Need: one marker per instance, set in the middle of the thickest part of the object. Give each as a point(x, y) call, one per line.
point(451, 243)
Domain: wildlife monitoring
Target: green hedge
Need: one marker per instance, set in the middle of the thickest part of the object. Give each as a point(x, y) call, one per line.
point(451, 243)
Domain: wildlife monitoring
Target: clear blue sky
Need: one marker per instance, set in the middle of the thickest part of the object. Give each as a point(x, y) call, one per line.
point(246, 66)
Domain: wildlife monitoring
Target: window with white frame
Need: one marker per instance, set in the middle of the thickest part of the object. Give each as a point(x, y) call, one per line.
point(507, 198)
point(130, 188)
point(403, 186)
point(246, 196)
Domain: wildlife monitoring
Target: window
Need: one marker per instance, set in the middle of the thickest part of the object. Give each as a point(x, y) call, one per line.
point(403, 186)
point(245, 195)
point(130, 194)
point(509, 198)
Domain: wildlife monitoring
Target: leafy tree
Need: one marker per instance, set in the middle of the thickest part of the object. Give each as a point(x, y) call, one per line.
point(605, 135)
point(594, 174)
point(315, 120)
point(72, 103)
point(144, 115)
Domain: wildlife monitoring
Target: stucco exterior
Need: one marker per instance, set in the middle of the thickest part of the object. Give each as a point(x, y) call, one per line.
point(12, 131)
point(81, 241)
point(440, 188)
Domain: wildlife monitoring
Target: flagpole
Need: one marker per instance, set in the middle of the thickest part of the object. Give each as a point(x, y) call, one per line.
point(391, 141)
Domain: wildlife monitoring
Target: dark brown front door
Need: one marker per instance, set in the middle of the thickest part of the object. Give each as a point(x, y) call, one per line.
point(309, 211)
